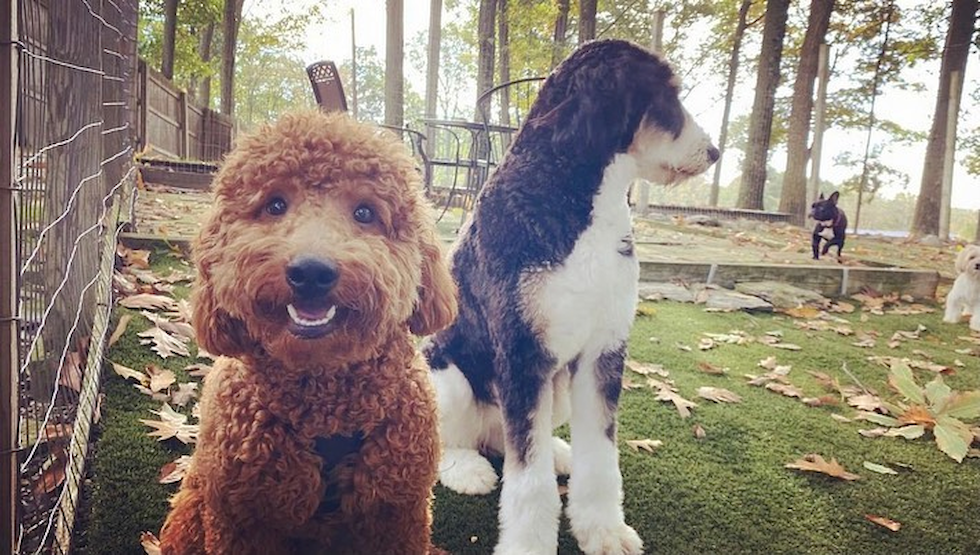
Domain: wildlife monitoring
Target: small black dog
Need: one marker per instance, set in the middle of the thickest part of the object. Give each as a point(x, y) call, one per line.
point(831, 225)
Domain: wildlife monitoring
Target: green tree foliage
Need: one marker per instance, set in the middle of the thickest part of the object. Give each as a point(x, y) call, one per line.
point(371, 90)
point(192, 17)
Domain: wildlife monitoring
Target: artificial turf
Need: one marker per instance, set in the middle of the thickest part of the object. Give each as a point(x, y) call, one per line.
point(727, 492)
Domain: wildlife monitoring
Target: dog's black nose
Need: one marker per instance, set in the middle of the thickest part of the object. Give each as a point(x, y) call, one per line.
point(713, 154)
point(311, 277)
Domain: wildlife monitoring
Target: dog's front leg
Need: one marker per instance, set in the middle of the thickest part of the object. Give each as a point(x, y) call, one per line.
point(815, 243)
point(529, 502)
point(595, 488)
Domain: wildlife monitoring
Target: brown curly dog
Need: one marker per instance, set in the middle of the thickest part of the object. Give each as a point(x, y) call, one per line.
point(318, 423)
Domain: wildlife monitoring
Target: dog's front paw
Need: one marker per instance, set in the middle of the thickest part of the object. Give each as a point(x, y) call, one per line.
point(466, 471)
point(563, 456)
point(621, 539)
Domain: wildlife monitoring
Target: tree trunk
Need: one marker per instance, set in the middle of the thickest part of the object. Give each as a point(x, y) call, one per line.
point(743, 13)
point(485, 55)
point(875, 83)
point(752, 189)
point(793, 200)
point(955, 52)
point(503, 38)
point(586, 20)
point(169, 37)
point(232, 19)
point(394, 63)
point(203, 88)
point(432, 66)
point(561, 32)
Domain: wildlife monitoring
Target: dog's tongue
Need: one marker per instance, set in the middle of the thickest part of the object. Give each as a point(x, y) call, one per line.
point(311, 312)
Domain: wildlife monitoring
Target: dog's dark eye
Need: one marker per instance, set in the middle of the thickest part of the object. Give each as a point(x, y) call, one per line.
point(363, 214)
point(276, 206)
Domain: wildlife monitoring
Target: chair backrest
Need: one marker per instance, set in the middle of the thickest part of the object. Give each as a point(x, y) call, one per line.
point(504, 106)
point(327, 88)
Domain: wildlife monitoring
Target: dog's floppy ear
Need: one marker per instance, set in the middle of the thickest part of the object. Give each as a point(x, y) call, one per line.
point(217, 331)
point(436, 306)
point(833, 197)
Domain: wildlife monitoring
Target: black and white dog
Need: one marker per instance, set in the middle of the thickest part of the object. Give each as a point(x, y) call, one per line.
point(547, 281)
point(831, 225)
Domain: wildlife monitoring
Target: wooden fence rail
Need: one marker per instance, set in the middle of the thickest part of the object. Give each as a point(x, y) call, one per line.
point(170, 125)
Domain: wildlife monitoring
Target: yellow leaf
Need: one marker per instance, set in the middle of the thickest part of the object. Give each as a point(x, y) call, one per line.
point(816, 463)
point(885, 522)
point(648, 445)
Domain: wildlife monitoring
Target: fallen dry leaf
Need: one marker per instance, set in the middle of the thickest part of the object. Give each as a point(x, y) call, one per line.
point(879, 468)
point(803, 312)
point(172, 424)
point(699, 432)
point(52, 472)
point(120, 329)
point(787, 346)
point(645, 369)
point(174, 471)
point(201, 370)
point(709, 368)
point(185, 393)
point(822, 401)
point(789, 390)
point(648, 445)
point(813, 462)
point(129, 373)
point(718, 395)
point(163, 343)
point(886, 522)
point(160, 378)
point(149, 302)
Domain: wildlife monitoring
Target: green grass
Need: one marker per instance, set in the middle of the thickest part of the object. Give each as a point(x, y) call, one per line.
point(726, 493)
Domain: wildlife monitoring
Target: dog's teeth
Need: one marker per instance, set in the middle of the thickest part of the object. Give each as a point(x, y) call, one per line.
point(299, 320)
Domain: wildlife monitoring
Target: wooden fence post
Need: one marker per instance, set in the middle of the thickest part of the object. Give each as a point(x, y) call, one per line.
point(184, 131)
point(9, 320)
point(141, 104)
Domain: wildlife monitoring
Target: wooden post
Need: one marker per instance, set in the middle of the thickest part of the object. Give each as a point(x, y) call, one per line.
point(141, 103)
point(819, 113)
point(432, 67)
point(9, 319)
point(949, 154)
point(657, 45)
point(184, 131)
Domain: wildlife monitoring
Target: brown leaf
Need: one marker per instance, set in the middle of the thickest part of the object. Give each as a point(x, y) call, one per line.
point(866, 401)
point(699, 432)
point(813, 462)
point(129, 373)
point(648, 445)
point(886, 522)
point(120, 329)
point(52, 473)
point(787, 346)
point(72, 370)
point(163, 343)
point(174, 471)
point(718, 395)
point(133, 257)
point(645, 369)
point(822, 401)
point(841, 306)
point(172, 424)
point(160, 378)
point(682, 405)
point(788, 390)
point(186, 392)
point(917, 415)
point(803, 312)
point(709, 368)
point(149, 301)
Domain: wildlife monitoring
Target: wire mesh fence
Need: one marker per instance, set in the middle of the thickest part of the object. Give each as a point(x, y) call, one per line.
point(71, 186)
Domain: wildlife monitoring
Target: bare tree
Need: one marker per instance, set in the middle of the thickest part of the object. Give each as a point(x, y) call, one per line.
point(793, 199)
point(503, 39)
point(743, 13)
point(485, 54)
point(394, 64)
point(561, 33)
point(586, 20)
point(432, 66)
point(753, 185)
point(169, 37)
point(958, 39)
point(230, 23)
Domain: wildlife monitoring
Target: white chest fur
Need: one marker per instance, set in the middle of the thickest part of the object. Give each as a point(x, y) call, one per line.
point(586, 305)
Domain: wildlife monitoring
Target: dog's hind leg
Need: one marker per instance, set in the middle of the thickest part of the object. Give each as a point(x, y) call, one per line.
point(465, 425)
point(954, 306)
point(595, 489)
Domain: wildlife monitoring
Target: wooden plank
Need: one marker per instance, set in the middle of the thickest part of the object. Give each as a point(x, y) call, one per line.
point(832, 281)
point(9, 359)
point(179, 179)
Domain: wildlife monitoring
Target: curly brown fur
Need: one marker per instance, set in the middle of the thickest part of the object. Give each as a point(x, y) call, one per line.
point(314, 438)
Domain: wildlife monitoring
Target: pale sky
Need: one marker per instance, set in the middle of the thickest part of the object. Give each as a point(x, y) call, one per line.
point(913, 110)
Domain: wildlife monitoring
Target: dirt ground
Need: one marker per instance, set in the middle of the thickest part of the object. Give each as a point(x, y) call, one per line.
point(177, 214)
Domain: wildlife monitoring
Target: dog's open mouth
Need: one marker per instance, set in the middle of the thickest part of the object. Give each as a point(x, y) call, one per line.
point(310, 321)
